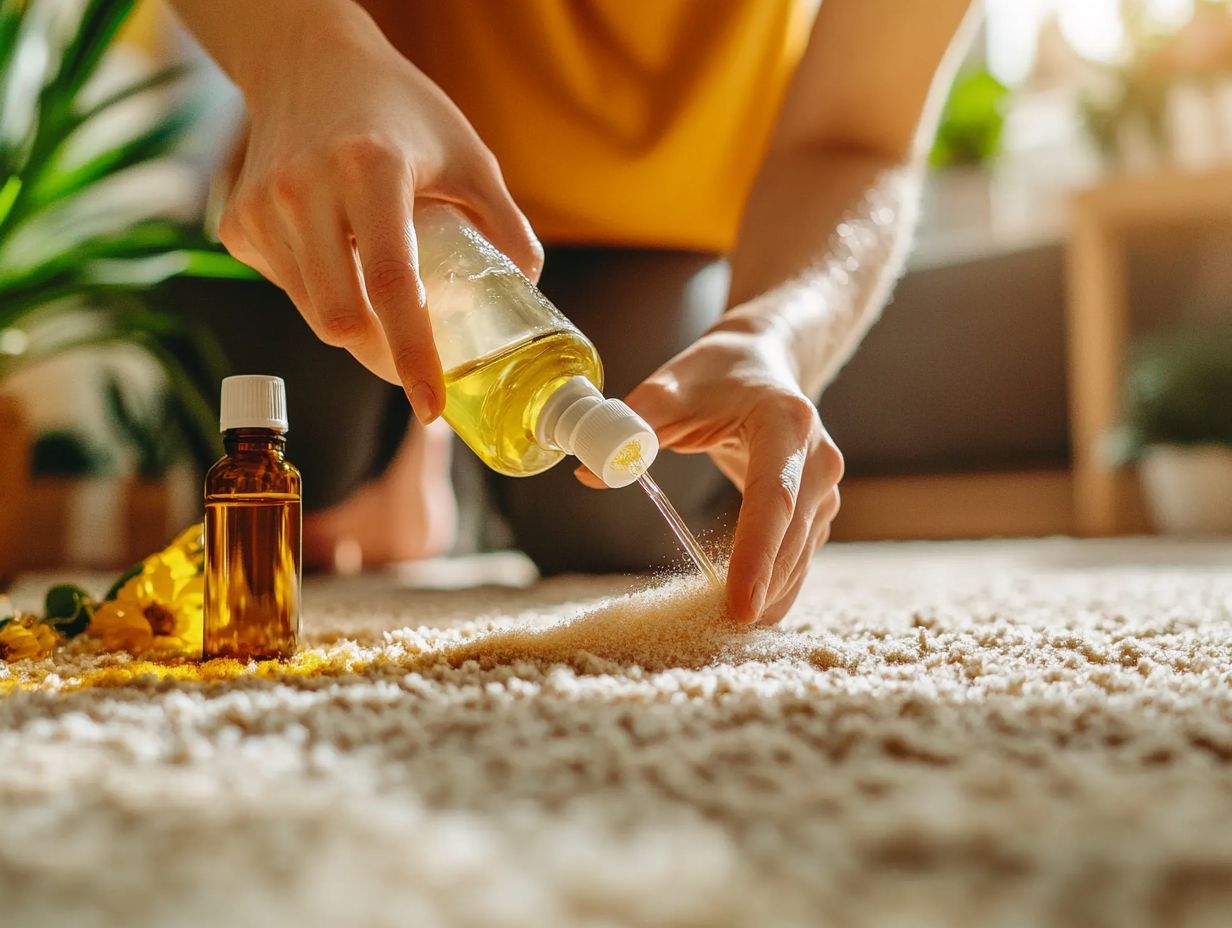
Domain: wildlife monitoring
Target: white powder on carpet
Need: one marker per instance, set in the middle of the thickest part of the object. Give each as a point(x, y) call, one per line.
point(678, 621)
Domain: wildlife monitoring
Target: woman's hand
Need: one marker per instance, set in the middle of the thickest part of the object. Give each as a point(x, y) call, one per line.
point(344, 134)
point(732, 394)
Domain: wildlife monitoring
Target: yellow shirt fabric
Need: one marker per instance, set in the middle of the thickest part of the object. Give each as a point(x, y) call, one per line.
point(620, 122)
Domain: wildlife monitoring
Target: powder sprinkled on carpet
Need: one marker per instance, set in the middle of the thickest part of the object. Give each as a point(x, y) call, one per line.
point(675, 622)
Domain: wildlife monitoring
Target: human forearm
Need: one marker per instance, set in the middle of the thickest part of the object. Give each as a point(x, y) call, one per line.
point(257, 43)
point(823, 238)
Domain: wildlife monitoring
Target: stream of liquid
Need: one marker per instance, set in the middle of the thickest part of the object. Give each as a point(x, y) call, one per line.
point(679, 529)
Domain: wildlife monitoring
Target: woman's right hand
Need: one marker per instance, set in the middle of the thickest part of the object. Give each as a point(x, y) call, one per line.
point(344, 134)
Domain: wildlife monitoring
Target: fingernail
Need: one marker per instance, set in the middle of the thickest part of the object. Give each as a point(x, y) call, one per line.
point(758, 600)
point(423, 401)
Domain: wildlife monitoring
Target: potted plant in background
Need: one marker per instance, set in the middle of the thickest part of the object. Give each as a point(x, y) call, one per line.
point(153, 433)
point(1178, 427)
point(62, 463)
point(959, 191)
point(81, 257)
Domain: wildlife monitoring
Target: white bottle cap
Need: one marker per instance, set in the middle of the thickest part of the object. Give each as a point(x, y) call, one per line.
point(253, 401)
point(605, 435)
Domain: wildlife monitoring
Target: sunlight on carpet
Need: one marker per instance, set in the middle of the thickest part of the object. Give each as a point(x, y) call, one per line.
point(999, 734)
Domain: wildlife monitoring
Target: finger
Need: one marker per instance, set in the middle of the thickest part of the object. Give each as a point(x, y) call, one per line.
point(814, 490)
point(490, 205)
point(380, 214)
point(587, 478)
point(776, 463)
point(338, 310)
point(658, 402)
point(237, 237)
point(259, 244)
point(818, 534)
point(775, 611)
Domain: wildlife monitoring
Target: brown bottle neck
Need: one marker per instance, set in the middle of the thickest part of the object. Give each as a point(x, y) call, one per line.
point(239, 442)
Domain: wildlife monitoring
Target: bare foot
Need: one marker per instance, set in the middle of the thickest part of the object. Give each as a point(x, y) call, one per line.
point(408, 513)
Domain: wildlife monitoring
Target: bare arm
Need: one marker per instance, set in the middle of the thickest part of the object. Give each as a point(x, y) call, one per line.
point(824, 232)
point(828, 221)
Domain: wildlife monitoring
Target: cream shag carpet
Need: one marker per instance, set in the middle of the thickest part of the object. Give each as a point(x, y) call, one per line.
point(998, 734)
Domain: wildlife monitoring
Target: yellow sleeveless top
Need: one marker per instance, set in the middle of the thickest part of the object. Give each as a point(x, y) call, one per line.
point(623, 122)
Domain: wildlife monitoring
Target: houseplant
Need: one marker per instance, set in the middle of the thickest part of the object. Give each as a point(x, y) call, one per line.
point(81, 257)
point(1178, 426)
point(63, 462)
point(152, 433)
point(968, 139)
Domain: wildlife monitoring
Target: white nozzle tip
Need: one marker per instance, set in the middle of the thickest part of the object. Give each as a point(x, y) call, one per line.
point(253, 401)
point(606, 435)
point(616, 443)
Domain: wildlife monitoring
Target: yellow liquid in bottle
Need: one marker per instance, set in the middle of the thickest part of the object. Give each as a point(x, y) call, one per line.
point(252, 584)
point(494, 401)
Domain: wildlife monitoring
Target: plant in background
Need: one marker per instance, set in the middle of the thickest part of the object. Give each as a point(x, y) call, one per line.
point(67, 453)
point(971, 122)
point(152, 432)
point(1178, 392)
point(79, 264)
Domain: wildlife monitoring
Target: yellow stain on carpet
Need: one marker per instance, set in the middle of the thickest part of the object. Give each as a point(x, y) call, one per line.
point(678, 622)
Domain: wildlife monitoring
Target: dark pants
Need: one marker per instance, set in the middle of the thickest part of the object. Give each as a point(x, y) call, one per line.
point(638, 307)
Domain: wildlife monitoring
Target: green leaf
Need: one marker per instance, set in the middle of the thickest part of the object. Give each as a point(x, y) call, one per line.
point(100, 21)
point(971, 123)
point(151, 435)
point(12, 18)
point(149, 238)
point(114, 591)
point(198, 418)
point(156, 141)
point(8, 195)
point(1179, 390)
point(155, 81)
point(215, 264)
point(66, 453)
point(68, 609)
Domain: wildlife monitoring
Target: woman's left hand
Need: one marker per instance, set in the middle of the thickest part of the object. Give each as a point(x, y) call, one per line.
point(733, 395)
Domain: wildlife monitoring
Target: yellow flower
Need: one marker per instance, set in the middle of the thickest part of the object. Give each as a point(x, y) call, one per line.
point(25, 637)
point(159, 610)
point(191, 543)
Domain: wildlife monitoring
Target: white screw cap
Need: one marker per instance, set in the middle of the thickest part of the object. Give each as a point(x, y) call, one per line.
point(253, 401)
point(606, 435)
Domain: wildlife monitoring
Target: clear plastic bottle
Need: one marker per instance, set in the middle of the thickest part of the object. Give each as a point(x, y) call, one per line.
point(522, 384)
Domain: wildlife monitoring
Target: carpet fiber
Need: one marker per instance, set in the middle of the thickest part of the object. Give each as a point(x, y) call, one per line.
point(1012, 734)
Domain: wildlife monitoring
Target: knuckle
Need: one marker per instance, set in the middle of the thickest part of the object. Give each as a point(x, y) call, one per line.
point(342, 329)
point(231, 231)
point(831, 462)
point(386, 278)
point(800, 412)
point(776, 491)
point(288, 187)
point(361, 154)
point(655, 393)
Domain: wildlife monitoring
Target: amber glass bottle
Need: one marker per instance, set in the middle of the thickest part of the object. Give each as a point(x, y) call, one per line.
point(252, 528)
